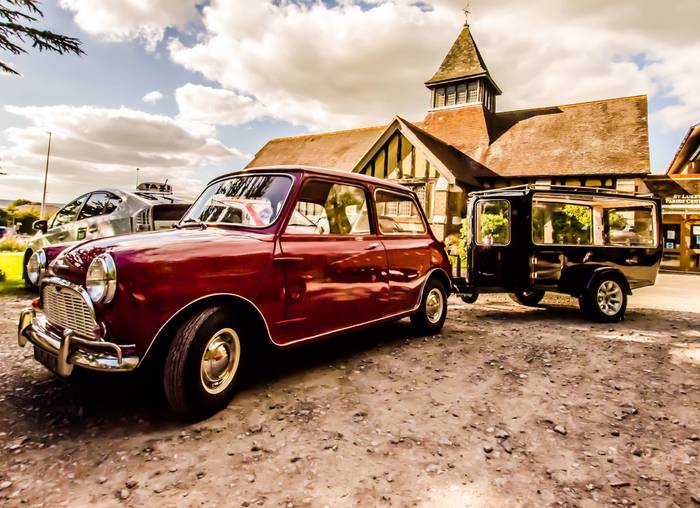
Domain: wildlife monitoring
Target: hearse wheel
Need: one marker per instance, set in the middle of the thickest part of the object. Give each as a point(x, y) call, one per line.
point(606, 300)
point(469, 297)
point(431, 314)
point(205, 363)
point(530, 297)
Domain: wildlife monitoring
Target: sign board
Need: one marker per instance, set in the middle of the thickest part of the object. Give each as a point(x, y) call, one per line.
point(683, 199)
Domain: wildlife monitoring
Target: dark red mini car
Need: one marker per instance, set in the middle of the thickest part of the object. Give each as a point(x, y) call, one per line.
point(281, 255)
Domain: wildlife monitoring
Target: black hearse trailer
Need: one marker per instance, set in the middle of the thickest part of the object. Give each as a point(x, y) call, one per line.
point(591, 243)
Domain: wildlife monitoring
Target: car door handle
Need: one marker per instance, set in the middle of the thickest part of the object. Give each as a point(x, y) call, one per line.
point(287, 260)
point(373, 246)
point(92, 229)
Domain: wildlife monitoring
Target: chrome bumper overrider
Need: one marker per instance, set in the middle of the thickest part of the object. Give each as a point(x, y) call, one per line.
point(71, 350)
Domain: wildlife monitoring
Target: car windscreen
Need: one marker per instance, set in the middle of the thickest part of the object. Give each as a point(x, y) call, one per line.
point(246, 200)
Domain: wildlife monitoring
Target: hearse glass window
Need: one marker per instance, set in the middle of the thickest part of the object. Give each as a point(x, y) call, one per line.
point(632, 226)
point(493, 222)
point(561, 222)
point(398, 214)
point(251, 201)
point(593, 220)
point(327, 208)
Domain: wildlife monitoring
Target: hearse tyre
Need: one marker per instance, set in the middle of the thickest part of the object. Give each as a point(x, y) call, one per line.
point(430, 317)
point(469, 297)
point(605, 299)
point(529, 297)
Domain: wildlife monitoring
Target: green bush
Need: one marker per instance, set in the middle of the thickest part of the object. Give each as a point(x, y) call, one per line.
point(12, 244)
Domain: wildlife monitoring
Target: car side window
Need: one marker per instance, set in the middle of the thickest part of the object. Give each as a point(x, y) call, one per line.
point(493, 222)
point(398, 214)
point(327, 208)
point(69, 212)
point(95, 205)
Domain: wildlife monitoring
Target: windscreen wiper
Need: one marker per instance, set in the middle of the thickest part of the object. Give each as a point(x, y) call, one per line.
point(191, 222)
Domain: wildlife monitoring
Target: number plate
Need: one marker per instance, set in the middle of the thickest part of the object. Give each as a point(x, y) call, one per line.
point(46, 359)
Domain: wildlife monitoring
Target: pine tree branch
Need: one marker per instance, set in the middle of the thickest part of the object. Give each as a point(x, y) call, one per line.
point(14, 24)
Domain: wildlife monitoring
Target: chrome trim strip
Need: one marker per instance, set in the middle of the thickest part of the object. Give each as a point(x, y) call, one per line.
point(71, 350)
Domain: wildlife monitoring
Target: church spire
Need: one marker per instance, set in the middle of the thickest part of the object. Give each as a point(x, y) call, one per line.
point(463, 68)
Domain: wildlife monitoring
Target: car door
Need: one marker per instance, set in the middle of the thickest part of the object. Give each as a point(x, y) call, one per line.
point(335, 267)
point(405, 237)
point(494, 254)
point(63, 226)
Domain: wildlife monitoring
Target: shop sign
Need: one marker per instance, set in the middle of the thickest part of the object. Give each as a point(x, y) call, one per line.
point(683, 199)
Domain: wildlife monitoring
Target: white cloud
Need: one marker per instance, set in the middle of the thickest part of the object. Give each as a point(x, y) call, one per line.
point(96, 147)
point(152, 97)
point(120, 20)
point(340, 66)
point(216, 105)
point(357, 63)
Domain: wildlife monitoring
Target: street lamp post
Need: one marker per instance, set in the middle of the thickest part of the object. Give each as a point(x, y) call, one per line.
point(46, 177)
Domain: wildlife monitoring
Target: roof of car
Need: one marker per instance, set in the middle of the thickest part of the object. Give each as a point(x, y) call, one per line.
point(558, 189)
point(319, 172)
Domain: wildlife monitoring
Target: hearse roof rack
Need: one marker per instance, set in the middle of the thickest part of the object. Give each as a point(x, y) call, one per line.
point(574, 190)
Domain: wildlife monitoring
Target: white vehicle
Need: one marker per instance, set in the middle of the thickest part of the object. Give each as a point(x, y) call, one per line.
point(102, 213)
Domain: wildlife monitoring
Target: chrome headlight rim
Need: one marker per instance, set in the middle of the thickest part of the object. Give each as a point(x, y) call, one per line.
point(101, 279)
point(36, 265)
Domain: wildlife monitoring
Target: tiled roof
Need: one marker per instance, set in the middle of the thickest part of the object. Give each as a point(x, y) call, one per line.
point(608, 137)
point(339, 150)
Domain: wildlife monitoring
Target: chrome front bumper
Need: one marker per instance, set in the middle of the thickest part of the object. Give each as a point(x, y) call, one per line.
point(71, 350)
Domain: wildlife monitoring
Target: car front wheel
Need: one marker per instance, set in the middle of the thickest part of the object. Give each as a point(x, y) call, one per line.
point(205, 363)
point(431, 314)
point(605, 301)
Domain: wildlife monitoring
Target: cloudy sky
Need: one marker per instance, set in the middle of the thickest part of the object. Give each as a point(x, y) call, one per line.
point(186, 90)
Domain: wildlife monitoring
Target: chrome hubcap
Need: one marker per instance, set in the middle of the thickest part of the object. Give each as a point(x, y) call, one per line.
point(433, 305)
point(609, 297)
point(220, 361)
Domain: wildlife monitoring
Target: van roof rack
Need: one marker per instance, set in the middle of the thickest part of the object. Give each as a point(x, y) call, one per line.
point(574, 190)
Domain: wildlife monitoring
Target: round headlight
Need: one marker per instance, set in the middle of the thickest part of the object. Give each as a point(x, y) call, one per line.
point(101, 279)
point(36, 265)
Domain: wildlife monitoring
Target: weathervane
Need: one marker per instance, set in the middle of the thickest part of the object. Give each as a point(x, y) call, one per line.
point(467, 12)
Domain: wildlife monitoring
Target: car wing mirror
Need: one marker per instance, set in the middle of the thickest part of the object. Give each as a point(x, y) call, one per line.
point(41, 225)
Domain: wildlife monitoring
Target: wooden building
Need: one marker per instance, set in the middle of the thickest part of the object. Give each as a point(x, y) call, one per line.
point(679, 190)
point(464, 143)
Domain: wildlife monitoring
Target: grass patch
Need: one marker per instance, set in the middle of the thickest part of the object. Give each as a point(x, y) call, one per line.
point(11, 265)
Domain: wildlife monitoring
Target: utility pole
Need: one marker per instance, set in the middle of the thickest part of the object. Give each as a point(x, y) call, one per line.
point(137, 177)
point(46, 177)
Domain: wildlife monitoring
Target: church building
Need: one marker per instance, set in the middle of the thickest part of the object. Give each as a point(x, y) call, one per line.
point(465, 143)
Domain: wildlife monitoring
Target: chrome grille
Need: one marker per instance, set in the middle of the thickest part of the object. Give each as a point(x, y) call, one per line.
point(65, 307)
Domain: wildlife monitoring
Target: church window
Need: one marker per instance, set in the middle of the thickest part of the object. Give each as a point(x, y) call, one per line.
point(472, 92)
point(439, 97)
point(462, 93)
point(451, 95)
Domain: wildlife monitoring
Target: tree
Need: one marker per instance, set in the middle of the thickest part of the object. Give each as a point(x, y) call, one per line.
point(16, 16)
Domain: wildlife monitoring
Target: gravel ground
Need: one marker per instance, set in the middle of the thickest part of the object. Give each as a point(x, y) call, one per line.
point(509, 406)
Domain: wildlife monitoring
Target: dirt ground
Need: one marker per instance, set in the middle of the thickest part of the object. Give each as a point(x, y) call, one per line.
point(509, 406)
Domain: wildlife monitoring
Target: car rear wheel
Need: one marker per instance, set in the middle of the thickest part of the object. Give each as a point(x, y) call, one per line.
point(529, 298)
point(605, 301)
point(431, 314)
point(205, 363)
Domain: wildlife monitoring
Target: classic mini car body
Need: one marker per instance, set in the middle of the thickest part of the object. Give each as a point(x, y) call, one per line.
point(200, 299)
point(594, 244)
point(102, 213)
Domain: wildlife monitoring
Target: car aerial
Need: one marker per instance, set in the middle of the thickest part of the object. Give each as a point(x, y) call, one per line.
point(265, 257)
point(102, 213)
point(594, 244)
